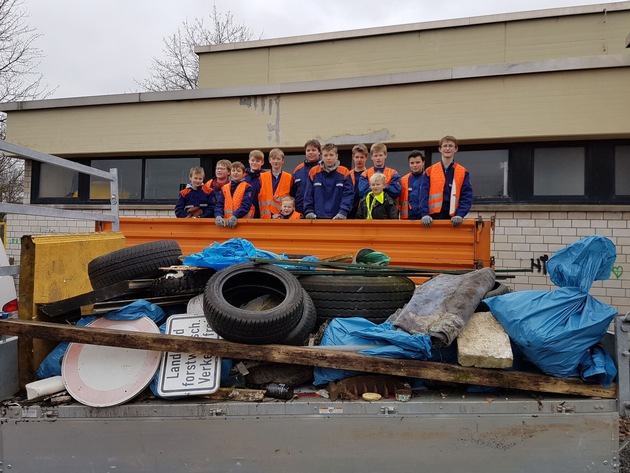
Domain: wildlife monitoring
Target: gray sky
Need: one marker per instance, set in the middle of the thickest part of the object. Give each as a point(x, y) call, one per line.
point(98, 47)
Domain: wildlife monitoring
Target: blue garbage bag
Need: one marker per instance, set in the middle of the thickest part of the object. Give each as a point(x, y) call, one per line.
point(556, 330)
point(384, 339)
point(51, 365)
point(233, 251)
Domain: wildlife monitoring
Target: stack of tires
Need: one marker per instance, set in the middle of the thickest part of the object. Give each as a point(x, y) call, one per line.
point(289, 321)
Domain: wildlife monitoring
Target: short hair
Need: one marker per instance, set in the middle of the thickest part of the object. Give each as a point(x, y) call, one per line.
point(237, 165)
point(416, 153)
point(329, 147)
point(448, 138)
point(360, 148)
point(276, 152)
point(378, 148)
point(314, 143)
point(288, 198)
point(256, 154)
point(378, 177)
point(196, 170)
point(225, 163)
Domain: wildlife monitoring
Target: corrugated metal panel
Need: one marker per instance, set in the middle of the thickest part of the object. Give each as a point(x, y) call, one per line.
point(407, 243)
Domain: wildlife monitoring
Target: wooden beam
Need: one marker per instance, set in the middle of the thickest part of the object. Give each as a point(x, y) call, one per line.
point(315, 356)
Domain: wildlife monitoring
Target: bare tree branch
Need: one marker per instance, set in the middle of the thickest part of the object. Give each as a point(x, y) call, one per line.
point(19, 80)
point(179, 69)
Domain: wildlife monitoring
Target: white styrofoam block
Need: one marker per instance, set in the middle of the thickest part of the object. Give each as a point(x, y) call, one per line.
point(44, 387)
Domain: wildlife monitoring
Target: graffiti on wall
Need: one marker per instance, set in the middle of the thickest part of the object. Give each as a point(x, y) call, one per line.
point(269, 106)
point(617, 271)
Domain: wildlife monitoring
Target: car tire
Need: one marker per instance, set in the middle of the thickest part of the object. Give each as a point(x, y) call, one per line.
point(372, 297)
point(497, 290)
point(135, 262)
point(305, 326)
point(188, 282)
point(234, 286)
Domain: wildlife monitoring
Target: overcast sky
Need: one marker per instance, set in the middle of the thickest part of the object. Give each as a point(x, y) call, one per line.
point(98, 47)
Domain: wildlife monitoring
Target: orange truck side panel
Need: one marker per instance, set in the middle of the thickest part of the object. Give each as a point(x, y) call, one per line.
point(406, 243)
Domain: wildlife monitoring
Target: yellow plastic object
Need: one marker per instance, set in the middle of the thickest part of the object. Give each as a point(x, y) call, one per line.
point(371, 397)
point(53, 268)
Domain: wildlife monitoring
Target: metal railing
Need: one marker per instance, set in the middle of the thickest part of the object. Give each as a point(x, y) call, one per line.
point(46, 211)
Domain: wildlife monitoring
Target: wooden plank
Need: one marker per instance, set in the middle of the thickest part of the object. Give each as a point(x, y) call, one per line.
point(310, 356)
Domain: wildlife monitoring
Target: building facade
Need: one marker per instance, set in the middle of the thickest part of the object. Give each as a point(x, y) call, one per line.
point(538, 101)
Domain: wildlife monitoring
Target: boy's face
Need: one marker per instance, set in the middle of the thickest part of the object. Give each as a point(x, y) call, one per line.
point(196, 180)
point(448, 149)
point(359, 160)
point(287, 208)
point(416, 164)
point(276, 162)
point(237, 174)
point(329, 157)
point(312, 154)
point(221, 172)
point(377, 187)
point(378, 158)
point(255, 163)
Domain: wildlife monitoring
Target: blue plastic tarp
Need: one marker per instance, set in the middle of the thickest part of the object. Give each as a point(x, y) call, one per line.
point(387, 342)
point(557, 330)
point(233, 251)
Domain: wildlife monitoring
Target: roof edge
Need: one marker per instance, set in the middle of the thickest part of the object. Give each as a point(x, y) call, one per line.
point(404, 28)
point(456, 73)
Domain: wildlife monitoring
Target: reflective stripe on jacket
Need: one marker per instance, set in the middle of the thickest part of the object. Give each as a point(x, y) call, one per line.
point(270, 201)
point(438, 182)
point(231, 203)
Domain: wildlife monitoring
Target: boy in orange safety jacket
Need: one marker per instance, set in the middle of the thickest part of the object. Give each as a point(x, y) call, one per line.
point(235, 199)
point(274, 185)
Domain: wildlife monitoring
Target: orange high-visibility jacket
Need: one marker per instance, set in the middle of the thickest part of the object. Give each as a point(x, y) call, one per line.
point(438, 180)
point(233, 202)
point(268, 200)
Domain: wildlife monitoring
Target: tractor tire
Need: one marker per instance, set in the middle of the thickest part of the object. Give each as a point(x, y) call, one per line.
point(372, 297)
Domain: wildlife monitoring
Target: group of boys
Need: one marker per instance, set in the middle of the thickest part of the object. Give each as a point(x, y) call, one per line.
point(320, 188)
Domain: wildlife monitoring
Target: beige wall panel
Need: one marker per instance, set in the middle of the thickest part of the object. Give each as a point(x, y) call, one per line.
point(444, 48)
point(233, 68)
point(528, 107)
point(591, 104)
point(167, 127)
point(564, 37)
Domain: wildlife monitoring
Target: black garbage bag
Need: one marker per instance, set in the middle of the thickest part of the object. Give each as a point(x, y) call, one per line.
point(441, 306)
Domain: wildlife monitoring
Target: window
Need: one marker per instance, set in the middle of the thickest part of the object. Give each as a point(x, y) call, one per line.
point(488, 170)
point(559, 171)
point(129, 179)
point(165, 177)
point(58, 182)
point(622, 170)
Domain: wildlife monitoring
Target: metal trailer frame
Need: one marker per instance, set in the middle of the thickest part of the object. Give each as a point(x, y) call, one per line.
point(491, 431)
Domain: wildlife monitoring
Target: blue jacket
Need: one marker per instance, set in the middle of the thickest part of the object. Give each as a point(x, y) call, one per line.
point(190, 197)
point(300, 176)
point(465, 197)
point(328, 193)
point(415, 183)
point(243, 209)
point(253, 179)
point(392, 188)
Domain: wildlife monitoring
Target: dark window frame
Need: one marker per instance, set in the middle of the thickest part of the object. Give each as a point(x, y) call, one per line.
point(599, 162)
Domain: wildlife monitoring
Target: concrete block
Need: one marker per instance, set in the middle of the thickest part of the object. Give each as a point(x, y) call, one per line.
point(483, 343)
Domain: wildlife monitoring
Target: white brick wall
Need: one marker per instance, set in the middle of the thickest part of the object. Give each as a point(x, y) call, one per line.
point(520, 236)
